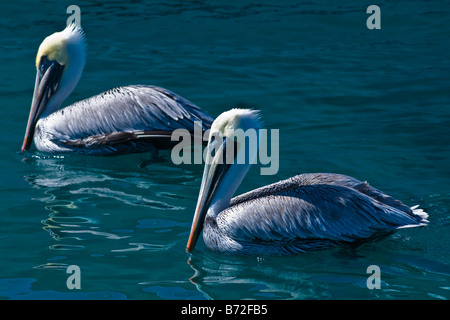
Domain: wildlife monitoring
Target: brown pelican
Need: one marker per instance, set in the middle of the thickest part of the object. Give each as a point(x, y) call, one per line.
point(125, 119)
point(306, 212)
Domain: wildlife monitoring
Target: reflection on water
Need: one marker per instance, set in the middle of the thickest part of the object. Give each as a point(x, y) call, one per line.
point(320, 275)
point(145, 246)
point(79, 194)
point(129, 199)
point(217, 277)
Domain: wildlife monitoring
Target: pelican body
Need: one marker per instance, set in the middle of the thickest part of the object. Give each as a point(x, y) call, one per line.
point(126, 119)
point(304, 213)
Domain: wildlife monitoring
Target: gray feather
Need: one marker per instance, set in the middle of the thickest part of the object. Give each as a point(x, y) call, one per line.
point(97, 122)
point(307, 212)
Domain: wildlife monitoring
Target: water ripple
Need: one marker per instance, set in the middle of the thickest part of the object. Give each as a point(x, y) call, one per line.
point(95, 233)
point(66, 247)
point(146, 247)
point(131, 199)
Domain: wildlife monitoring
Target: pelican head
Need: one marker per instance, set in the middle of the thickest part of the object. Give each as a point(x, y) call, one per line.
point(59, 63)
point(223, 174)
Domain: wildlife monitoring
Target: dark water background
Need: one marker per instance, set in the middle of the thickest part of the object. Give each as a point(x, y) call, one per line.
point(374, 104)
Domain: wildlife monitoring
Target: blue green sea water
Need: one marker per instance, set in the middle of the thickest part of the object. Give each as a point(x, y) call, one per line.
point(373, 104)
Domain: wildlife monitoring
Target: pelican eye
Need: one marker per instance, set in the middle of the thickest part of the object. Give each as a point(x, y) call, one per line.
point(44, 64)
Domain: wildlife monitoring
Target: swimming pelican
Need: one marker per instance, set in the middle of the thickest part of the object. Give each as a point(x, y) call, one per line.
point(126, 119)
point(306, 212)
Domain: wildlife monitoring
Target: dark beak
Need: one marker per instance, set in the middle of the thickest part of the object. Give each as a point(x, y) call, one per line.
point(212, 175)
point(48, 77)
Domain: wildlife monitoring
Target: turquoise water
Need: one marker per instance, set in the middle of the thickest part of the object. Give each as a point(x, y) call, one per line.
point(374, 104)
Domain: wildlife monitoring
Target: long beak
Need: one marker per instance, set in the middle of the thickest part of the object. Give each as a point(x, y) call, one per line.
point(48, 77)
point(212, 175)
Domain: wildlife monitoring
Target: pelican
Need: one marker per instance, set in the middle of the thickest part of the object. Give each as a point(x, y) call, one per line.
point(306, 212)
point(126, 119)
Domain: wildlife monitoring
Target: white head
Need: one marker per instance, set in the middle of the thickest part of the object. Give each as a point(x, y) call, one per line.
point(221, 178)
point(59, 64)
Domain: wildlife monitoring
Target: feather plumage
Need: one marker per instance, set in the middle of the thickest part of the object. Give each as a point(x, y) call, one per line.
point(123, 119)
point(307, 212)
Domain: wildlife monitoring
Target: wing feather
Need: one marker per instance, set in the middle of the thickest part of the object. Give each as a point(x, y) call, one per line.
point(309, 207)
point(122, 115)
